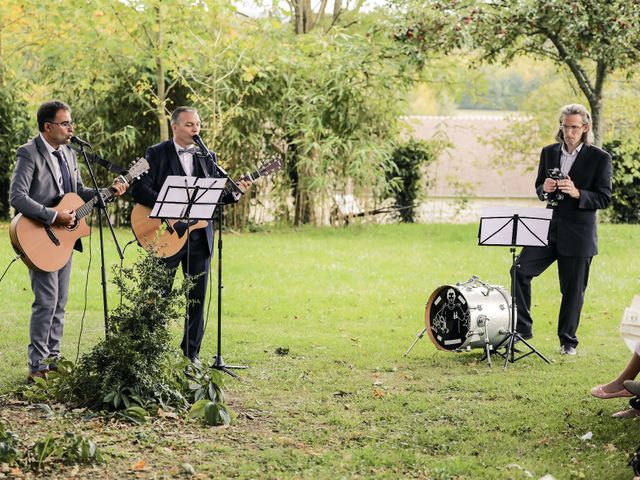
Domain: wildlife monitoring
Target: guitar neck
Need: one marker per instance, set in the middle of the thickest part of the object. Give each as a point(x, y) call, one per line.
point(105, 193)
point(249, 176)
point(84, 210)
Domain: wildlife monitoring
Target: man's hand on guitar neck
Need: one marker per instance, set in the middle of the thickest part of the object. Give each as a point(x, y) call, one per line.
point(119, 187)
point(244, 185)
point(65, 218)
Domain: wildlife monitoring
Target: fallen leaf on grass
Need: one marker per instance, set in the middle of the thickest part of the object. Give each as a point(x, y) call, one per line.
point(165, 414)
point(515, 465)
point(378, 392)
point(544, 441)
point(610, 447)
point(15, 471)
point(138, 466)
point(188, 469)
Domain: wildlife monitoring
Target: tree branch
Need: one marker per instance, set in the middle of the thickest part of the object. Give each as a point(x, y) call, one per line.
point(577, 70)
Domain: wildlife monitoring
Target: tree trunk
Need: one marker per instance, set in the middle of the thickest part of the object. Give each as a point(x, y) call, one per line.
point(595, 102)
point(161, 80)
point(596, 119)
point(304, 17)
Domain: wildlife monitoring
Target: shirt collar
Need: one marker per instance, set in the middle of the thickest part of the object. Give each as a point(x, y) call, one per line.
point(575, 152)
point(178, 147)
point(50, 149)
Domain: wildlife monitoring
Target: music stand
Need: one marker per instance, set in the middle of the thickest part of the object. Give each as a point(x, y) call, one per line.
point(189, 199)
point(514, 227)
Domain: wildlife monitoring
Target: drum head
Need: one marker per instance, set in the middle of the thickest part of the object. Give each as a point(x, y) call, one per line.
point(447, 318)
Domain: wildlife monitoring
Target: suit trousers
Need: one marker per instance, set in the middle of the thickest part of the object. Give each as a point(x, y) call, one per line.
point(51, 290)
point(573, 274)
point(195, 259)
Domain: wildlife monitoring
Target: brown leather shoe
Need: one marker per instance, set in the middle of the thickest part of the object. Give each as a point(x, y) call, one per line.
point(38, 373)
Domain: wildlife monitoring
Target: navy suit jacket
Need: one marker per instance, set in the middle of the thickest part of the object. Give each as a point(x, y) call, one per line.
point(163, 161)
point(575, 219)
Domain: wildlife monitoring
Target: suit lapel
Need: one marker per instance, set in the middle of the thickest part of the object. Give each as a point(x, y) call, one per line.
point(578, 161)
point(44, 153)
point(174, 162)
point(557, 156)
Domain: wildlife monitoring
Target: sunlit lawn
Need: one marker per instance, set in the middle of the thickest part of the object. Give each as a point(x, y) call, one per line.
point(343, 306)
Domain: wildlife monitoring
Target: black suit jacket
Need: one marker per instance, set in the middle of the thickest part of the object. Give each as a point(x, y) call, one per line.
point(163, 161)
point(575, 219)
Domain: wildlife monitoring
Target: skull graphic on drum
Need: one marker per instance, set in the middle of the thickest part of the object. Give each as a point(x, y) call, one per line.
point(450, 322)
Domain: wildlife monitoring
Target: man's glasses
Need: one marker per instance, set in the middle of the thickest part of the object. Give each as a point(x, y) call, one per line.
point(572, 128)
point(63, 124)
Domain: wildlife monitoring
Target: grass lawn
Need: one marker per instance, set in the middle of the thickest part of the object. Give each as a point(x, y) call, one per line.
point(344, 402)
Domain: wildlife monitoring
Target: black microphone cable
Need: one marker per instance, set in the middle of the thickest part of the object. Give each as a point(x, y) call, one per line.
point(86, 291)
point(9, 266)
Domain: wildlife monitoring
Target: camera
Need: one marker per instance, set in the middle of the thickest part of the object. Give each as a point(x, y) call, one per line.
point(554, 197)
point(556, 174)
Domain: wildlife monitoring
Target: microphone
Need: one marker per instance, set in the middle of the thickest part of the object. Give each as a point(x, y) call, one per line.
point(79, 141)
point(205, 151)
point(198, 141)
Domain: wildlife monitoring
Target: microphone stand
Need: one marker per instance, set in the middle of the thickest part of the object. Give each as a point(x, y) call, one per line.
point(218, 362)
point(102, 207)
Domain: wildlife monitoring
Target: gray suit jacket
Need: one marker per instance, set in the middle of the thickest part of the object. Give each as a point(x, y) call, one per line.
point(34, 187)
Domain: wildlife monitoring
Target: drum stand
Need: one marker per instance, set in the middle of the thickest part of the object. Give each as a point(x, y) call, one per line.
point(418, 337)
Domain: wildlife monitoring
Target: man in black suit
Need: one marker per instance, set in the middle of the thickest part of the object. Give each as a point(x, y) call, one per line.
point(179, 156)
point(573, 241)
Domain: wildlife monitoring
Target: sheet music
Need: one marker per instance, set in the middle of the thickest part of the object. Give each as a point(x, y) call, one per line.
point(496, 226)
point(176, 192)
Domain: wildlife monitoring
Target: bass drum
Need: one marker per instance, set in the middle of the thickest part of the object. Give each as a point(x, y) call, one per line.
point(468, 315)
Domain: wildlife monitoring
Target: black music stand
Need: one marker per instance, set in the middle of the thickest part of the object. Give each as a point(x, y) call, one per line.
point(514, 227)
point(188, 199)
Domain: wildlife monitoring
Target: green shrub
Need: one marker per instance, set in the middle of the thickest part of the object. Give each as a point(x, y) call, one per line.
point(404, 180)
point(625, 200)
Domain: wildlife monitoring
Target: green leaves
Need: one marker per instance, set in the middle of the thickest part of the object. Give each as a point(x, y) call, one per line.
point(137, 415)
point(70, 448)
point(213, 413)
point(8, 443)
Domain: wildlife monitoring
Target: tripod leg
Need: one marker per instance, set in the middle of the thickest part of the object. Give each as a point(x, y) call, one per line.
point(418, 337)
point(533, 349)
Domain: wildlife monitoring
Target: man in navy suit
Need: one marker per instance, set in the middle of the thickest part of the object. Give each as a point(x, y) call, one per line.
point(179, 156)
point(46, 168)
point(573, 240)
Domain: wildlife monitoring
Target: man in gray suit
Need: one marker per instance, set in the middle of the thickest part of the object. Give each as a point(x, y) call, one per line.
point(46, 168)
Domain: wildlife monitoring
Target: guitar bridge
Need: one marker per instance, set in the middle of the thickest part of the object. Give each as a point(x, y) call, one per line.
point(52, 236)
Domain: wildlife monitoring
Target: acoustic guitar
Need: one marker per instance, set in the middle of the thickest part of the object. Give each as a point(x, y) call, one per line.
point(47, 248)
point(165, 237)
